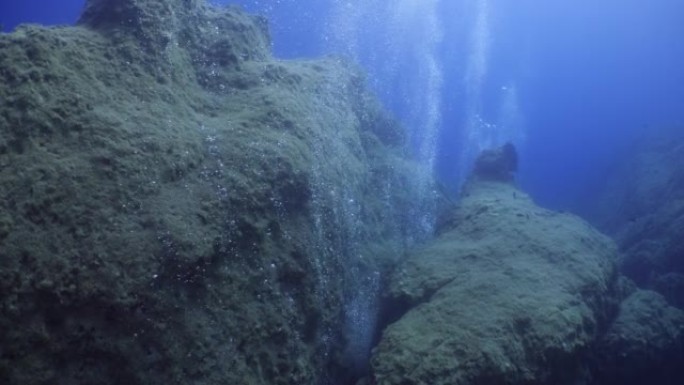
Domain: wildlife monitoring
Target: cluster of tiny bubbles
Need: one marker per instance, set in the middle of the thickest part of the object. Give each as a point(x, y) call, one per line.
point(212, 67)
point(172, 267)
point(484, 134)
point(411, 32)
point(361, 315)
point(325, 249)
point(213, 172)
point(344, 217)
point(279, 209)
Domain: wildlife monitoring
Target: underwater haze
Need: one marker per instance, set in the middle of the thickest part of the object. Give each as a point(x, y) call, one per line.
point(570, 83)
point(342, 192)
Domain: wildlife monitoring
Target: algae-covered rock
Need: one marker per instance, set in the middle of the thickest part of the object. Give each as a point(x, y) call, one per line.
point(497, 164)
point(644, 345)
point(642, 206)
point(178, 207)
point(514, 294)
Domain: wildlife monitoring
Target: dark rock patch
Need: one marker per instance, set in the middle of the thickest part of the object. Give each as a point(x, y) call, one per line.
point(641, 205)
point(644, 345)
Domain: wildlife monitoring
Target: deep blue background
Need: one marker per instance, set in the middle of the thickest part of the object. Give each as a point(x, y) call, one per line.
point(591, 75)
point(14, 12)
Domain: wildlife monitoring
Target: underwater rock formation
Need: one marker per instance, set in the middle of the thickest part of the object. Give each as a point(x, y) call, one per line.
point(513, 294)
point(644, 345)
point(499, 163)
point(178, 207)
point(642, 207)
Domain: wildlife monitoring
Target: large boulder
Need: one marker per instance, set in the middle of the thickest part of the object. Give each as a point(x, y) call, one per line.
point(178, 207)
point(499, 163)
point(644, 345)
point(513, 294)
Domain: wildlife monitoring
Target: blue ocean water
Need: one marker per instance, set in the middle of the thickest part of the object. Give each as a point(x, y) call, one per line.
point(570, 82)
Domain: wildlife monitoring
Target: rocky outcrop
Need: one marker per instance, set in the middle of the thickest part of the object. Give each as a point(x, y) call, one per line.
point(178, 207)
point(644, 345)
point(642, 206)
point(499, 164)
point(513, 294)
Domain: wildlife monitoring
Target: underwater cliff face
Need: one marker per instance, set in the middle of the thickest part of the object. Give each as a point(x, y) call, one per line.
point(641, 204)
point(179, 207)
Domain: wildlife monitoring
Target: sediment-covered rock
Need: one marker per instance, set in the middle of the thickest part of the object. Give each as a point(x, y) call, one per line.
point(644, 345)
point(498, 164)
point(514, 294)
point(642, 206)
point(178, 207)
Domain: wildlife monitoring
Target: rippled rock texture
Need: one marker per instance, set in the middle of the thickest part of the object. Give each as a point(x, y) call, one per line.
point(176, 206)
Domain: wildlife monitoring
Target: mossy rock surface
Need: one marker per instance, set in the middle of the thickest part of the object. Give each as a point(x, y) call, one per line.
point(645, 343)
point(513, 294)
point(176, 206)
point(641, 204)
